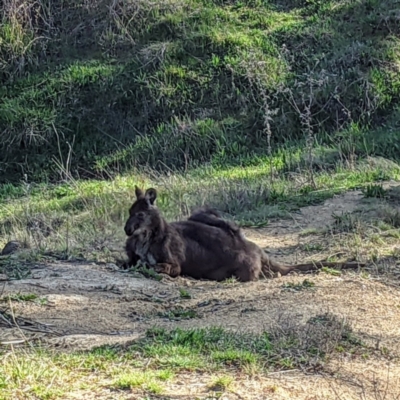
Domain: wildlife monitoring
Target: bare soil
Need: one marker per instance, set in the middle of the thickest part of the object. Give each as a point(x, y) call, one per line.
point(90, 304)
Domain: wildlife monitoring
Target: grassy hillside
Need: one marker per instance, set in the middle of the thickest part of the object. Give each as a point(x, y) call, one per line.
point(97, 87)
point(256, 107)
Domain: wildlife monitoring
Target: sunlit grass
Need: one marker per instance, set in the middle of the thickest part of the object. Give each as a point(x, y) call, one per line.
point(76, 212)
point(33, 373)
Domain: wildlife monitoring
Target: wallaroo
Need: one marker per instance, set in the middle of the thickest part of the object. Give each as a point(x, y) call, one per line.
point(204, 246)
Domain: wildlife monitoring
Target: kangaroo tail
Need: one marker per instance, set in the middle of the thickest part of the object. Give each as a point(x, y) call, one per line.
point(269, 267)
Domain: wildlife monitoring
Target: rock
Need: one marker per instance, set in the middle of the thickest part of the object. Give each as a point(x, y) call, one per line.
point(11, 247)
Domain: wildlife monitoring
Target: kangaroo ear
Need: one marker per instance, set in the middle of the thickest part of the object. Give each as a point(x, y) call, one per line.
point(151, 195)
point(139, 193)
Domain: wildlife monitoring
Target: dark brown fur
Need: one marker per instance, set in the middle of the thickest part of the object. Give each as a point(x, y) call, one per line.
point(203, 247)
point(210, 216)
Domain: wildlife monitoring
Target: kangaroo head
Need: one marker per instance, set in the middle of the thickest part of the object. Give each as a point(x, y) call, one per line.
point(142, 214)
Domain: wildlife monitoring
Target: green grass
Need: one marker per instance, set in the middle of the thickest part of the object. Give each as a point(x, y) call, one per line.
point(222, 383)
point(331, 271)
point(146, 272)
point(178, 314)
point(151, 363)
point(374, 191)
point(188, 82)
point(85, 218)
point(148, 381)
point(20, 297)
point(296, 287)
point(184, 294)
point(214, 348)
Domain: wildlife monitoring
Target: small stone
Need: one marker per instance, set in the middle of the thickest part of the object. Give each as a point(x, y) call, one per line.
point(11, 247)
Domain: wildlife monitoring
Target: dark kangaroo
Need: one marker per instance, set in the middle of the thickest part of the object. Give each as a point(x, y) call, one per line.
point(203, 247)
point(212, 217)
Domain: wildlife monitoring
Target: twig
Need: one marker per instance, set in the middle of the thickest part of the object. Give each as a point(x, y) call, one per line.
point(25, 324)
point(2, 289)
point(16, 341)
point(5, 319)
point(283, 372)
point(15, 322)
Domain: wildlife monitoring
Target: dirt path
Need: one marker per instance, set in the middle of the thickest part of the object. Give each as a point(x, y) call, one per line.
point(90, 304)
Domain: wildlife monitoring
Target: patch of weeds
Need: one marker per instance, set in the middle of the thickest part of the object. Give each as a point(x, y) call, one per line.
point(374, 255)
point(213, 348)
point(148, 381)
point(385, 351)
point(333, 258)
point(309, 232)
point(312, 247)
point(394, 194)
point(345, 222)
point(392, 217)
point(45, 393)
point(35, 371)
point(376, 238)
point(165, 375)
point(383, 226)
point(42, 301)
point(346, 334)
point(365, 275)
point(104, 353)
point(178, 314)
point(184, 294)
point(286, 363)
point(395, 252)
point(21, 297)
point(221, 383)
point(309, 199)
point(296, 287)
point(375, 191)
point(328, 334)
point(230, 281)
point(25, 297)
point(155, 388)
point(235, 357)
point(394, 233)
point(147, 272)
point(331, 271)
